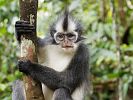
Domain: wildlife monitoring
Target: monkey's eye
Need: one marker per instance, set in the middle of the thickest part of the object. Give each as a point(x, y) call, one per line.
point(71, 36)
point(60, 37)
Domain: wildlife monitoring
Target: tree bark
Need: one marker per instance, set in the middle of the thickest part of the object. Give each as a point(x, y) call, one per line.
point(122, 14)
point(28, 12)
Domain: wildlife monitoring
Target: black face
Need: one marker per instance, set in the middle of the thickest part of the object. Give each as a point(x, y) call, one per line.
point(66, 39)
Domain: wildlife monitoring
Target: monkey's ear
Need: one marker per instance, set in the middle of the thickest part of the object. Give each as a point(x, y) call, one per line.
point(52, 32)
point(81, 38)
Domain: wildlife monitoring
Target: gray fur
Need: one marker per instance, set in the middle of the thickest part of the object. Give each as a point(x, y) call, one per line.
point(18, 90)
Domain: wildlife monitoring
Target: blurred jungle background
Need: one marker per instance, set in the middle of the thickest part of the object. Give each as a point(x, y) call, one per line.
point(108, 26)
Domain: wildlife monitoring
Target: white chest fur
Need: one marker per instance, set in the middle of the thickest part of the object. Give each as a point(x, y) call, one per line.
point(55, 57)
point(58, 60)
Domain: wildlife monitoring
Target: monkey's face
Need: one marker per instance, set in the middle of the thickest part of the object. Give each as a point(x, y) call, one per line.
point(66, 40)
point(66, 32)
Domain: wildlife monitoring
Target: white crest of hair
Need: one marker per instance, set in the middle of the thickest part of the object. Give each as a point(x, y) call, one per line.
point(58, 25)
point(71, 24)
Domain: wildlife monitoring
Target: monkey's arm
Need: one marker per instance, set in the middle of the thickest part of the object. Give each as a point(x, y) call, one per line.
point(71, 78)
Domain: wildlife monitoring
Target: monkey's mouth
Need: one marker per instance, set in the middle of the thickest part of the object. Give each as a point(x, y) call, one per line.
point(67, 46)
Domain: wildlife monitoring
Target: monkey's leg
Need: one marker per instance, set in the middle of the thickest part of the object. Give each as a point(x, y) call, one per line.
point(62, 94)
point(18, 92)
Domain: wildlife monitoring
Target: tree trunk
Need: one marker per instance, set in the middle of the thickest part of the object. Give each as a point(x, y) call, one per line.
point(122, 14)
point(103, 10)
point(119, 90)
point(28, 12)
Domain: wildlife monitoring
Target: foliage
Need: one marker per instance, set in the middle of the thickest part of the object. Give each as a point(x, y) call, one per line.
point(109, 36)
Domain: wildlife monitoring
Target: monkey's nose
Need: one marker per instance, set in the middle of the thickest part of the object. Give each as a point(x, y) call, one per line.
point(67, 44)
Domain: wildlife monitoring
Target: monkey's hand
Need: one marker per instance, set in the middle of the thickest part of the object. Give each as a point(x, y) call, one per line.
point(24, 66)
point(23, 27)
